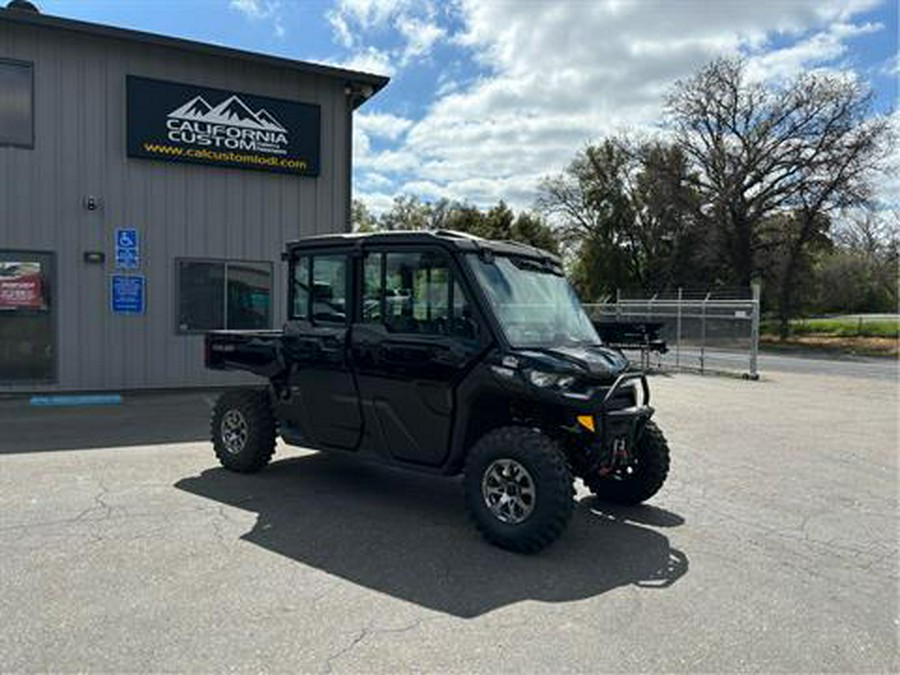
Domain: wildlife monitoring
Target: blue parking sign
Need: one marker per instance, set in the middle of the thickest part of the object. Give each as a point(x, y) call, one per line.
point(126, 294)
point(128, 256)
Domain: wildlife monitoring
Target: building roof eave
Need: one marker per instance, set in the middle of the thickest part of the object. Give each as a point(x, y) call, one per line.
point(350, 77)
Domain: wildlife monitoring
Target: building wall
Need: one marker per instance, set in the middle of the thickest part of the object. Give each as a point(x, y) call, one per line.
point(180, 210)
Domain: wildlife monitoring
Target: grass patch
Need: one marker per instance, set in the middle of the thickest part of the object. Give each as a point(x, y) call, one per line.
point(832, 344)
point(839, 327)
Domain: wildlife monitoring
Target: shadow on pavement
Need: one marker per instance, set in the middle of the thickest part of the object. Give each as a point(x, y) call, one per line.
point(408, 536)
point(142, 419)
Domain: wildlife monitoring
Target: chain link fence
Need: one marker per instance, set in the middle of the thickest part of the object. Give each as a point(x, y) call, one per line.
point(709, 331)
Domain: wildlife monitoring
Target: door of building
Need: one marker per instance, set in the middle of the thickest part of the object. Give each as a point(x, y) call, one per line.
point(27, 317)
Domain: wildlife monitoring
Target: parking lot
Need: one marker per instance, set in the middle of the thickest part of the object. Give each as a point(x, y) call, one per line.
point(773, 547)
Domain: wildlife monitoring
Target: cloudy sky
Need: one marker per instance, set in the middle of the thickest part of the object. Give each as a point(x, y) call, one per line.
point(489, 96)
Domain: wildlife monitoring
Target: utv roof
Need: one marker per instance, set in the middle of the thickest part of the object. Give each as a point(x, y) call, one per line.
point(461, 241)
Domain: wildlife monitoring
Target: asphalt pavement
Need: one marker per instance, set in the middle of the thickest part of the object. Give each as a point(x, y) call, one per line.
point(772, 548)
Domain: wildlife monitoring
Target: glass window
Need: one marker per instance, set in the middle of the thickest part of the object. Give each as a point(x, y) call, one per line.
point(217, 294)
point(417, 293)
point(201, 293)
point(329, 288)
point(249, 288)
point(534, 303)
point(27, 317)
point(16, 105)
point(463, 323)
point(371, 309)
point(300, 289)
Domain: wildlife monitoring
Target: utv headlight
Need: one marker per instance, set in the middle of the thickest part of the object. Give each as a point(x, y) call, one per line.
point(545, 380)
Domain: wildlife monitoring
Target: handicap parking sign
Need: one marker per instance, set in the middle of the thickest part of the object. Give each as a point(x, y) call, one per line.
point(128, 255)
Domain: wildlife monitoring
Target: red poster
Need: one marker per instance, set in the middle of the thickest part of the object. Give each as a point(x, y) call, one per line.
point(21, 286)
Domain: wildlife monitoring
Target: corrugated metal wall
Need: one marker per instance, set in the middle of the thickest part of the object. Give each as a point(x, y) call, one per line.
point(180, 210)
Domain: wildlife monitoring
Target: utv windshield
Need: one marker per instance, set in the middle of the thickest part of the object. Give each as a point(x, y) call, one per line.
point(535, 305)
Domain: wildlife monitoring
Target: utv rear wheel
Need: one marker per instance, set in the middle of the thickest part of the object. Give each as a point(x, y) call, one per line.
point(518, 489)
point(243, 430)
point(642, 478)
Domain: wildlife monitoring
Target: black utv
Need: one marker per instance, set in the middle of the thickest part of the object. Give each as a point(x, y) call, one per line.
point(445, 353)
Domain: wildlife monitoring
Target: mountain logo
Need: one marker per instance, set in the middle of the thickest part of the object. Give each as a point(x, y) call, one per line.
point(232, 112)
point(229, 125)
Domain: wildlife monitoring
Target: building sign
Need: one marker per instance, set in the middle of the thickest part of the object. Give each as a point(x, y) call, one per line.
point(127, 294)
point(184, 123)
point(128, 255)
point(21, 286)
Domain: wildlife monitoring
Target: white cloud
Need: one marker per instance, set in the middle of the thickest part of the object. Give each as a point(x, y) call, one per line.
point(368, 14)
point(375, 181)
point(377, 202)
point(560, 74)
point(420, 37)
point(382, 125)
point(252, 9)
point(445, 85)
point(412, 21)
point(370, 60)
point(821, 48)
point(262, 10)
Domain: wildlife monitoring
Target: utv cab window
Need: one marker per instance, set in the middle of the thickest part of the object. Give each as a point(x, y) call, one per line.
point(372, 281)
point(535, 305)
point(319, 288)
point(300, 288)
point(329, 288)
point(415, 293)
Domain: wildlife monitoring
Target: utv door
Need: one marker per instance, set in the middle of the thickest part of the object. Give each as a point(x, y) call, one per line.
point(324, 404)
point(415, 339)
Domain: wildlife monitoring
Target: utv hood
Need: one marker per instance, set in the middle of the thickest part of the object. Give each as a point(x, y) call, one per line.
point(599, 364)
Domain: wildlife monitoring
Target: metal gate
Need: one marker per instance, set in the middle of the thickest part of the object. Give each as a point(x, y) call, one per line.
point(707, 332)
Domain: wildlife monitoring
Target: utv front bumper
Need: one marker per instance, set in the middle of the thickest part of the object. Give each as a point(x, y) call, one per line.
point(618, 418)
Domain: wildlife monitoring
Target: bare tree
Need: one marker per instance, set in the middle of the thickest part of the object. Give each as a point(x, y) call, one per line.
point(809, 147)
point(871, 233)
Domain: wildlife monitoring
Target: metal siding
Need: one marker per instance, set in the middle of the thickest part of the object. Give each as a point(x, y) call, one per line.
point(180, 210)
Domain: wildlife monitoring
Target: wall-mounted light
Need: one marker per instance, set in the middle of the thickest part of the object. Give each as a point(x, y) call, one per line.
point(94, 257)
point(359, 92)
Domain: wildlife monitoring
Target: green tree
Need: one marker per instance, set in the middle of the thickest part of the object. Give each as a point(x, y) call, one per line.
point(628, 216)
point(530, 228)
point(361, 219)
point(859, 274)
point(498, 222)
point(406, 213)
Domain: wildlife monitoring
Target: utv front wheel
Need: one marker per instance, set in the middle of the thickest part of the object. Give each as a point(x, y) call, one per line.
point(518, 489)
point(243, 430)
point(642, 477)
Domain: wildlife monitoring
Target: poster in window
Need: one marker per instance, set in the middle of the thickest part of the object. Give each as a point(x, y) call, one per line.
point(21, 286)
